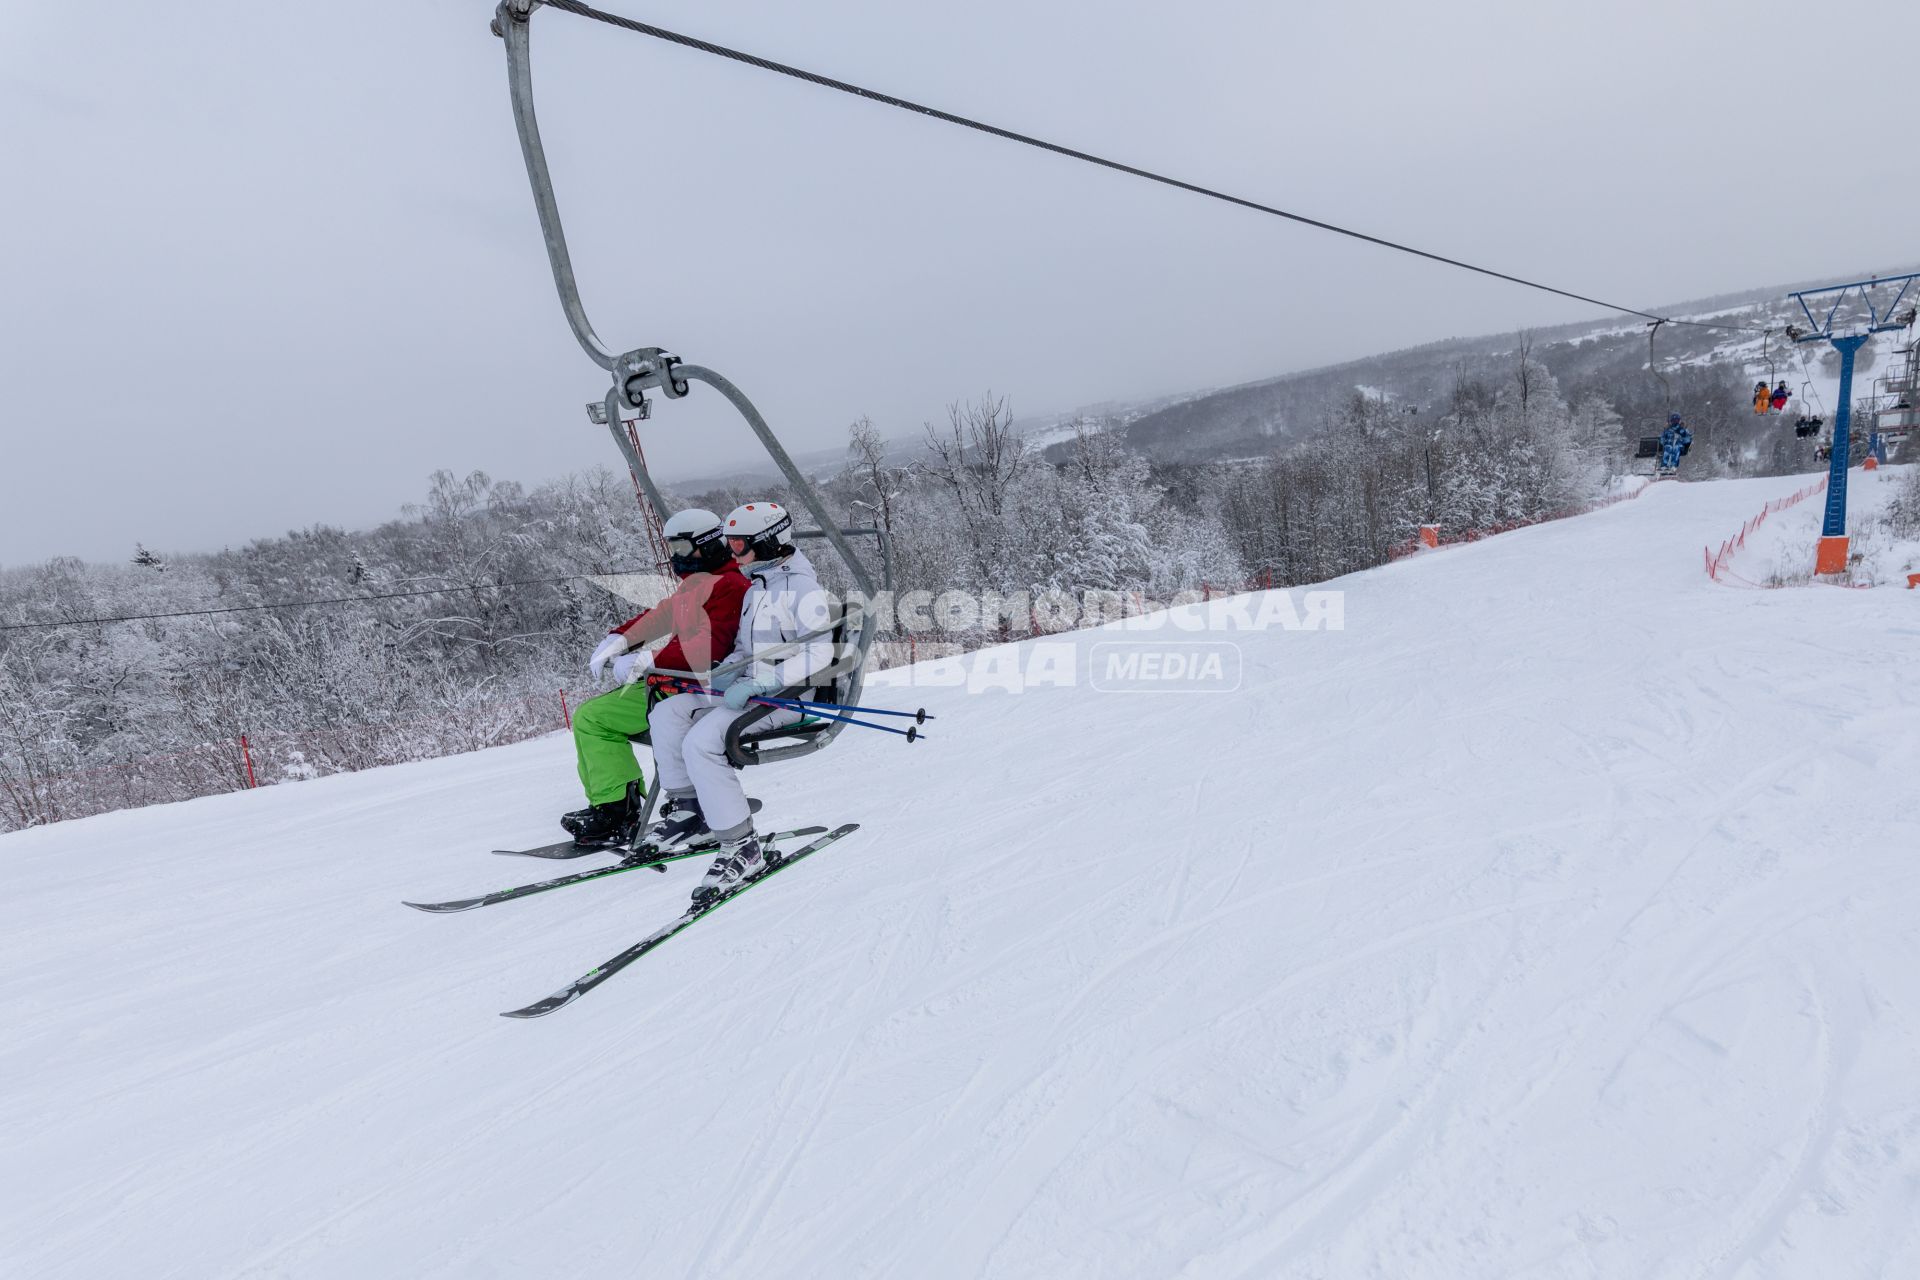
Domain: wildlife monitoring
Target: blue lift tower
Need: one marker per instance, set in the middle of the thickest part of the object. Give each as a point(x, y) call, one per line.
point(1882, 298)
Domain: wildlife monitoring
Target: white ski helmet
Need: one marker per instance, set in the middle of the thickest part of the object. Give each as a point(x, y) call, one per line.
point(764, 526)
point(694, 541)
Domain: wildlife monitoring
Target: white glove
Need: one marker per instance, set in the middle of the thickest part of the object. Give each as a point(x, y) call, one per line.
point(612, 647)
point(628, 666)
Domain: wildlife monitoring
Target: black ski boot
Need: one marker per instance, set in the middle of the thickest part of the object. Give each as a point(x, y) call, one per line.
point(605, 824)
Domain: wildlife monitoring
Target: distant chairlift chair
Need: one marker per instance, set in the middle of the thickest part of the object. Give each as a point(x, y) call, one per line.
point(1648, 453)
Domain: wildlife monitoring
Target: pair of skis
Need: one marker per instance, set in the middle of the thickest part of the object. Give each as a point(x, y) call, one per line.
point(630, 862)
point(777, 861)
point(563, 849)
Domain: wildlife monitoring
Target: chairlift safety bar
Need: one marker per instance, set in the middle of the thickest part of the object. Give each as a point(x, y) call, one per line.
point(780, 650)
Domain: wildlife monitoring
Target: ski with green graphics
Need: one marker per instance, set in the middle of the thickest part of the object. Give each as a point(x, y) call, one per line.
point(776, 863)
point(633, 862)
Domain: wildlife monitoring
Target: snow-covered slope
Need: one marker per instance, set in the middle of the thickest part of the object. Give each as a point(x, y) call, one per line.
point(1775, 553)
point(1555, 918)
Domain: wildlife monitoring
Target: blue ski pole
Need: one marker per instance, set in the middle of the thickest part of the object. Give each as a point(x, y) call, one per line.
point(911, 733)
point(920, 716)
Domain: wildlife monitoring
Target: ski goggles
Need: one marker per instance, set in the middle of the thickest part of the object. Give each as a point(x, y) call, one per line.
point(769, 537)
point(680, 545)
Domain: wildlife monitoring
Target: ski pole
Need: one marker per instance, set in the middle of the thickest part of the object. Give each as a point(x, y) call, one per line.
point(919, 716)
point(911, 733)
point(828, 711)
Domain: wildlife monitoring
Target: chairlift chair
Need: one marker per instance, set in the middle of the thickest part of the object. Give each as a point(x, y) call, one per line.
point(745, 744)
point(642, 369)
point(1646, 456)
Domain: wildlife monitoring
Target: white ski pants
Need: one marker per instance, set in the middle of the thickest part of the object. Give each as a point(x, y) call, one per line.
point(689, 735)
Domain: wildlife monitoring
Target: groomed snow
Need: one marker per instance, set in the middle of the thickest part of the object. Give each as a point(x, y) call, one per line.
point(1554, 919)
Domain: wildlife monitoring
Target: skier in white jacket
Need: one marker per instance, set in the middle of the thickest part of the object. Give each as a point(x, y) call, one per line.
point(784, 602)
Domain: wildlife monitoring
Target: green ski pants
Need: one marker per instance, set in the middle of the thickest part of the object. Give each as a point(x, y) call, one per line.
point(601, 727)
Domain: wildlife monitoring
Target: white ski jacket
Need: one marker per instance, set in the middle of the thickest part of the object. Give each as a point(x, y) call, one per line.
point(784, 602)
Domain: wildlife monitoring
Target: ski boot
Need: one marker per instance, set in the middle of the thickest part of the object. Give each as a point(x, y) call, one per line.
point(604, 825)
point(681, 823)
point(740, 860)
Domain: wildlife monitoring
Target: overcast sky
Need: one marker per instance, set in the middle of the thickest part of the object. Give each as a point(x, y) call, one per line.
point(267, 265)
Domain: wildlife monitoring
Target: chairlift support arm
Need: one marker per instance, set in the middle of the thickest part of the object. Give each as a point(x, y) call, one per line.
point(1653, 362)
point(512, 23)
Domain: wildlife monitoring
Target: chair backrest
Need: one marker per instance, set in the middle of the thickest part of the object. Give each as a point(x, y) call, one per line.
point(846, 660)
point(748, 745)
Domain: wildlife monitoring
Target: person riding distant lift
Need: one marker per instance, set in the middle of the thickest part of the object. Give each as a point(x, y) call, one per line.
point(1674, 443)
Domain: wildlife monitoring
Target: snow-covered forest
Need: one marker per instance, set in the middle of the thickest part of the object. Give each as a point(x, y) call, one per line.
point(457, 626)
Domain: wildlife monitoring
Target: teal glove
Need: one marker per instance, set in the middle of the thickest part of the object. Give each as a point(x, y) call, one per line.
point(741, 692)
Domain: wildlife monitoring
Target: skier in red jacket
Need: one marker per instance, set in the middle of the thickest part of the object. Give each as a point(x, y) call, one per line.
point(702, 617)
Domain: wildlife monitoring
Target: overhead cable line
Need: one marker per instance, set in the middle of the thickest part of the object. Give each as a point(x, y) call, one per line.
point(886, 99)
point(308, 604)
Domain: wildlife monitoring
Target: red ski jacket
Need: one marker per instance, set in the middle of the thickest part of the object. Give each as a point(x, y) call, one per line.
point(702, 615)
